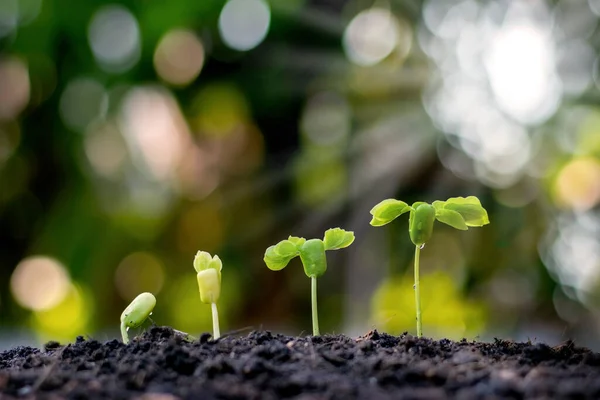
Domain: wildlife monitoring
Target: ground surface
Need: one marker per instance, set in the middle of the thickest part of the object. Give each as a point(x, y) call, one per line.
point(159, 365)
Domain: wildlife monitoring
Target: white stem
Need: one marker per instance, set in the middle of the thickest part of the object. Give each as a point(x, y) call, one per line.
point(215, 317)
point(124, 333)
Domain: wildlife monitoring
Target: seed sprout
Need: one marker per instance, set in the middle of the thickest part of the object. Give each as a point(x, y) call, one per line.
point(209, 284)
point(136, 313)
point(458, 212)
point(312, 255)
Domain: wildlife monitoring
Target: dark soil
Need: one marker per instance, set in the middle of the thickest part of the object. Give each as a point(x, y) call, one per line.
point(159, 365)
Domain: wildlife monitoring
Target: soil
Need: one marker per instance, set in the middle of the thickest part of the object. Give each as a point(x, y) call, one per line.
point(160, 365)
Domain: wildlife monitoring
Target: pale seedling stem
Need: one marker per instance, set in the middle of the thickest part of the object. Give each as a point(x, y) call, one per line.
point(215, 320)
point(418, 291)
point(315, 315)
point(124, 334)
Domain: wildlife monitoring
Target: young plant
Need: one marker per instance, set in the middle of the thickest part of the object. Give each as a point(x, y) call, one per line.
point(458, 212)
point(136, 313)
point(209, 284)
point(312, 255)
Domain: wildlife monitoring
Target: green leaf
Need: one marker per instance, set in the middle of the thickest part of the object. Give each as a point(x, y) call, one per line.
point(312, 254)
point(216, 263)
point(416, 204)
point(204, 260)
point(387, 211)
point(451, 218)
point(470, 209)
point(298, 241)
point(337, 238)
point(438, 205)
point(278, 256)
point(286, 248)
point(378, 222)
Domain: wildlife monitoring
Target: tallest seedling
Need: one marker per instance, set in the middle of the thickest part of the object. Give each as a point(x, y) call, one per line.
point(458, 212)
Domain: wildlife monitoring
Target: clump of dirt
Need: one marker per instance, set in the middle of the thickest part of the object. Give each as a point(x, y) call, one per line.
point(160, 365)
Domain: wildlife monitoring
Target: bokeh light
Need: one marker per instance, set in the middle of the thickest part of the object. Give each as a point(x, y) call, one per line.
point(139, 272)
point(83, 101)
point(179, 57)
point(321, 179)
point(520, 62)
point(28, 11)
point(71, 317)
point(105, 148)
point(114, 36)
point(575, 67)
point(445, 311)
point(571, 252)
point(9, 17)
point(155, 131)
point(499, 73)
point(574, 19)
point(220, 110)
point(14, 87)
point(371, 36)
point(577, 185)
point(326, 119)
point(244, 24)
point(39, 283)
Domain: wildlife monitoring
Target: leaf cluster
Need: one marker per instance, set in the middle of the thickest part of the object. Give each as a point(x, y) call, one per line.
point(311, 252)
point(458, 212)
point(208, 270)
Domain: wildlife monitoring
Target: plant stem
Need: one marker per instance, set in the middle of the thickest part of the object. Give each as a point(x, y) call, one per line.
point(313, 297)
point(215, 316)
point(418, 291)
point(124, 334)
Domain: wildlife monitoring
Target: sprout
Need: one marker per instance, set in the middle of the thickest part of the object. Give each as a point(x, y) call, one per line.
point(458, 212)
point(209, 284)
point(312, 255)
point(136, 313)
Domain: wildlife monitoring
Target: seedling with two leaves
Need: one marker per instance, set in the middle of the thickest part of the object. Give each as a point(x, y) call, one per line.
point(312, 255)
point(458, 212)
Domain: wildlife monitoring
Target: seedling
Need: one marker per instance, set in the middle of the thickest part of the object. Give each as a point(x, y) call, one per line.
point(209, 284)
point(458, 212)
point(136, 313)
point(312, 255)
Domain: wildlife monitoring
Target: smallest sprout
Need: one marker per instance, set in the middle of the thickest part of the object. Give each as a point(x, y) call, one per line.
point(136, 313)
point(209, 284)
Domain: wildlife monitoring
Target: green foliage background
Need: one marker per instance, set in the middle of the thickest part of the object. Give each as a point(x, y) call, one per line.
point(289, 138)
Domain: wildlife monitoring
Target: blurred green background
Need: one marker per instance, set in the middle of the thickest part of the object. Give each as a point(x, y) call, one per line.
point(134, 133)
